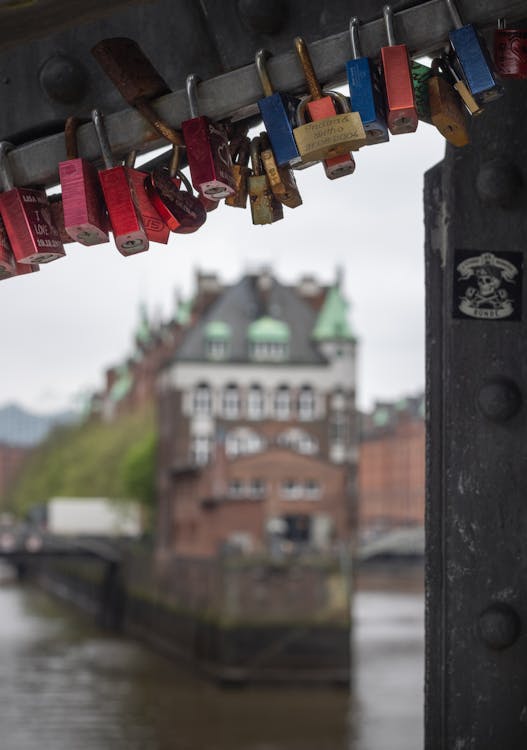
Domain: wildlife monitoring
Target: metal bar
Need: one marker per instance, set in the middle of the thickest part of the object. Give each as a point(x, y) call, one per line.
point(424, 28)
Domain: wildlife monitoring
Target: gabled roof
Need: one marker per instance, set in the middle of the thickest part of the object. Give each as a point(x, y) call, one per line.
point(332, 322)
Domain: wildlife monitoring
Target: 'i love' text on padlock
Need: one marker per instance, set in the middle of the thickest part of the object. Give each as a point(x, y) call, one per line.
point(446, 108)
point(119, 195)
point(180, 209)
point(85, 218)
point(365, 90)
point(473, 57)
point(241, 175)
point(400, 98)
point(155, 228)
point(471, 105)
point(27, 218)
point(7, 259)
point(510, 51)
point(265, 209)
point(281, 179)
point(328, 134)
point(208, 154)
point(278, 114)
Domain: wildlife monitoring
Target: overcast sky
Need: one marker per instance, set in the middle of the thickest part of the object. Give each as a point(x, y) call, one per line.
point(62, 326)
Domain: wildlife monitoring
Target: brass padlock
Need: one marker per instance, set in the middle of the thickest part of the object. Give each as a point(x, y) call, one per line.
point(446, 109)
point(241, 173)
point(328, 134)
point(281, 179)
point(265, 209)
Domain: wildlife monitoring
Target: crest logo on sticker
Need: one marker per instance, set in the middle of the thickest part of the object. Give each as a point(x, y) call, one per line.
point(487, 286)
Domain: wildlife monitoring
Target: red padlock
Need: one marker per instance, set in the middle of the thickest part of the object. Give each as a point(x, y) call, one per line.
point(119, 195)
point(510, 51)
point(57, 216)
point(7, 259)
point(85, 219)
point(400, 98)
point(155, 228)
point(27, 218)
point(22, 268)
point(208, 153)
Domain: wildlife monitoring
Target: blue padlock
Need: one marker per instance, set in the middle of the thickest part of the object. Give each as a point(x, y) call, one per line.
point(278, 113)
point(473, 58)
point(365, 91)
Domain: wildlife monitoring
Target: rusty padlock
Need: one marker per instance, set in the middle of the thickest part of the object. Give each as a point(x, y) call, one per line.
point(281, 179)
point(241, 172)
point(27, 218)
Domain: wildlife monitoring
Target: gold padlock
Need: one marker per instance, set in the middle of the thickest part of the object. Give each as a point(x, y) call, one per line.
point(446, 109)
point(328, 134)
point(241, 173)
point(281, 179)
point(265, 209)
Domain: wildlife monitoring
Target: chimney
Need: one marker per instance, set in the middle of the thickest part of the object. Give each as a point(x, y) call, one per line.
point(308, 286)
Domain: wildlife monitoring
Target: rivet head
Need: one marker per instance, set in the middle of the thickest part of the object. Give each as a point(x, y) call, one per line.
point(63, 79)
point(263, 16)
point(499, 626)
point(499, 399)
point(499, 182)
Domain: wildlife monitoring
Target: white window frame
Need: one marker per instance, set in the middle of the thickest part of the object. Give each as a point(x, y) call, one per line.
point(202, 400)
point(231, 402)
point(280, 412)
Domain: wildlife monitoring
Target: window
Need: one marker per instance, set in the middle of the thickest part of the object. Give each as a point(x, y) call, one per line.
point(282, 403)
point(298, 440)
point(236, 488)
point(242, 441)
point(339, 428)
point(306, 403)
point(217, 336)
point(216, 350)
point(312, 490)
point(202, 399)
point(200, 450)
point(291, 490)
point(257, 489)
point(231, 402)
point(255, 402)
point(265, 351)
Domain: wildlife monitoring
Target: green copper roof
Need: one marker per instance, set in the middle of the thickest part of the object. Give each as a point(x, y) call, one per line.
point(143, 334)
point(268, 330)
point(217, 330)
point(183, 312)
point(381, 417)
point(122, 385)
point(332, 321)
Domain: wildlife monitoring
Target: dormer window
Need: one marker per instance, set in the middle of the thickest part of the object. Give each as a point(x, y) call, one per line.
point(269, 340)
point(217, 339)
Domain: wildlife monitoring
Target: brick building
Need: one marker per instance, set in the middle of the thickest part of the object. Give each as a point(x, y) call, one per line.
point(391, 477)
point(257, 420)
point(12, 458)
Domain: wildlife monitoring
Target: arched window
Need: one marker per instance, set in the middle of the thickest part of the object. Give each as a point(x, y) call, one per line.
point(242, 441)
point(306, 403)
point(282, 403)
point(201, 449)
point(231, 402)
point(202, 399)
point(298, 440)
point(255, 402)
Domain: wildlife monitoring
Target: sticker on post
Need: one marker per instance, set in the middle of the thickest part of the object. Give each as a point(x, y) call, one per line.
point(488, 286)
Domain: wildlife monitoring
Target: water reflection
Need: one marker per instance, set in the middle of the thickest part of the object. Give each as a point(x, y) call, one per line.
point(65, 685)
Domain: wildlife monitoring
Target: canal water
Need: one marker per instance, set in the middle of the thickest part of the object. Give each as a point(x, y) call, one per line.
point(64, 685)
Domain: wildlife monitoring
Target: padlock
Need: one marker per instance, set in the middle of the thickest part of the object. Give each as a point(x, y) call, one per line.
point(241, 175)
point(420, 76)
point(263, 205)
point(365, 90)
point(180, 209)
point(400, 97)
point(85, 218)
point(208, 154)
point(510, 51)
point(23, 268)
point(461, 87)
point(278, 114)
point(7, 259)
point(119, 195)
point(208, 203)
point(446, 109)
point(281, 179)
point(155, 228)
point(136, 79)
point(474, 59)
point(328, 134)
point(57, 217)
point(27, 218)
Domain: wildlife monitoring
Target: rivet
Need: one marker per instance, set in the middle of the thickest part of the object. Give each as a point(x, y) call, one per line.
point(263, 16)
point(63, 79)
point(499, 626)
point(498, 182)
point(499, 399)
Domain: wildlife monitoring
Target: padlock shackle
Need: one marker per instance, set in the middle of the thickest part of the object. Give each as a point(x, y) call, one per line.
point(192, 94)
point(173, 165)
point(185, 180)
point(307, 66)
point(354, 36)
point(387, 13)
point(130, 159)
point(454, 14)
point(502, 24)
point(263, 74)
point(450, 68)
point(244, 152)
point(6, 175)
point(102, 137)
point(70, 135)
point(255, 157)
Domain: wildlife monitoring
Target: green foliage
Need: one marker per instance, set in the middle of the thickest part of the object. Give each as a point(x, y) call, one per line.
point(93, 459)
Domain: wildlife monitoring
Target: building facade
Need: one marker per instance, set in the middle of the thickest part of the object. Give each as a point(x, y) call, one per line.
point(258, 438)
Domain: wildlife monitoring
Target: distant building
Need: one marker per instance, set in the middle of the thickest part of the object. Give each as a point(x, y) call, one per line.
point(392, 465)
point(12, 458)
point(257, 421)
